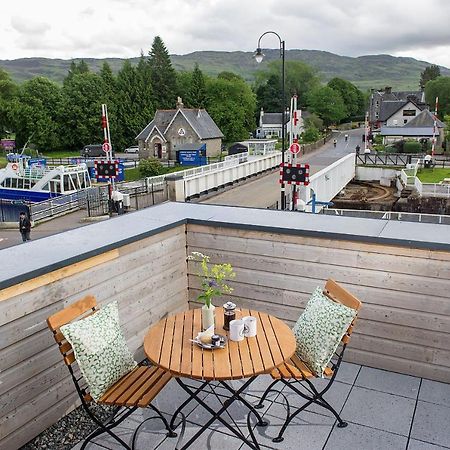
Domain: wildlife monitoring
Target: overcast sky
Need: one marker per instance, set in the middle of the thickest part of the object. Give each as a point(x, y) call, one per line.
point(121, 28)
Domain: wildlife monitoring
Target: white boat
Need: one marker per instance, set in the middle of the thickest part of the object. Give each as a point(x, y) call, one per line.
point(34, 181)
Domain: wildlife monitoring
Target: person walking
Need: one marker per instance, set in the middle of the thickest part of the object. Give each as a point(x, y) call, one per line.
point(24, 227)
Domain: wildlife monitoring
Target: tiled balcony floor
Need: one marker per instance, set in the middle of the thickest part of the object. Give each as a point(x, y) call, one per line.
point(385, 411)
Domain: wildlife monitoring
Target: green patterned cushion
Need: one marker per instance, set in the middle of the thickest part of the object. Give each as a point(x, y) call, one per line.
point(100, 349)
point(319, 330)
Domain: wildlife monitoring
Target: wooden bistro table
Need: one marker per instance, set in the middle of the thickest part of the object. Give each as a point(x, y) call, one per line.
point(168, 345)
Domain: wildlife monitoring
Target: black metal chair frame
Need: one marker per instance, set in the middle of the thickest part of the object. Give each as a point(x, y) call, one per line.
point(118, 414)
point(312, 395)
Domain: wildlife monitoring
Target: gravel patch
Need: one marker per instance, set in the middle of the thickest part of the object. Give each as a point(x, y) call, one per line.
point(68, 431)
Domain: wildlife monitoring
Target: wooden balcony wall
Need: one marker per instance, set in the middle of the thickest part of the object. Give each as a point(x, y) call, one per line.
point(147, 278)
point(404, 324)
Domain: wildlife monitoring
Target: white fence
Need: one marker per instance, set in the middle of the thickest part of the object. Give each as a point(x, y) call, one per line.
point(55, 206)
point(328, 182)
point(204, 182)
point(432, 190)
point(389, 215)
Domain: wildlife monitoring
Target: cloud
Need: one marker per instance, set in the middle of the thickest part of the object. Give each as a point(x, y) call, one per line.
point(122, 27)
point(27, 25)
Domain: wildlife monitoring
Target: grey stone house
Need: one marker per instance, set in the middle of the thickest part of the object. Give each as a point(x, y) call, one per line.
point(173, 129)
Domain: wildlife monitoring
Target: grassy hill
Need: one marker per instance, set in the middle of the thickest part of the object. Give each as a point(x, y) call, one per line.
point(365, 71)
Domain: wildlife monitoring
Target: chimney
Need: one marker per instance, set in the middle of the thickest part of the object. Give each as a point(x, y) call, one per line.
point(387, 89)
point(180, 103)
point(199, 113)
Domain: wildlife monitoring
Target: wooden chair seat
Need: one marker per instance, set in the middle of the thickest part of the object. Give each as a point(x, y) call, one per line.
point(137, 388)
point(295, 368)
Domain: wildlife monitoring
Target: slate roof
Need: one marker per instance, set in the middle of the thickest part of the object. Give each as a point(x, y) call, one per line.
point(424, 119)
point(273, 118)
point(199, 119)
point(403, 95)
point(389, 107)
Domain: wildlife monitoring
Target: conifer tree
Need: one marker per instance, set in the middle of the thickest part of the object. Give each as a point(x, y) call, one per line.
point(197, 94)
point(109, 93)
point(164, 81)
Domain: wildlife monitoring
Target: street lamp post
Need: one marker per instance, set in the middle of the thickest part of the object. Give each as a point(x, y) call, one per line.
point(259, 57)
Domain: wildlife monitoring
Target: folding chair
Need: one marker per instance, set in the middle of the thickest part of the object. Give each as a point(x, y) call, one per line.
point(297, 376)
point(134, 390)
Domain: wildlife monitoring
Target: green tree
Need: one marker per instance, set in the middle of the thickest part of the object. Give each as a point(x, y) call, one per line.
point(353, 98)
point(76, 69)
point(440, 87)
point(151, 167)
point(231, 104)
point(184, 82)
point(134, 104)
point(327, 103)
point(36, 112)
point(109, 94)
point(314, 121)
point(163, 76)
point(83, 95)
point(8, 91)
point(429, 73)
point(197, 92)
point(300, 79)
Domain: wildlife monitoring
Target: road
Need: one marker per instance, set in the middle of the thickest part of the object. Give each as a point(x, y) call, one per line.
point(265, 191)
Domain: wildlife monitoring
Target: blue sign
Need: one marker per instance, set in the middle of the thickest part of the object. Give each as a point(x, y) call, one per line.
point(191, 157)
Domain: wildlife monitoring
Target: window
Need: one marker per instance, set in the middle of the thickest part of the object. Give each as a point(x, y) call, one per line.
point(409, 112)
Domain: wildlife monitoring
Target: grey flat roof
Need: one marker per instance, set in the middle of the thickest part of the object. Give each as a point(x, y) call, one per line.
point(404, 131)
point(35, 258)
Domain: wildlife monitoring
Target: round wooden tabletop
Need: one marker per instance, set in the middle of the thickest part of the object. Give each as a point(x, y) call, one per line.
point(168, 345)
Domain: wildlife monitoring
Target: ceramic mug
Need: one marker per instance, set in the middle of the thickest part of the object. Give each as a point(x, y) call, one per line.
point(237, 330)
point(250, 326)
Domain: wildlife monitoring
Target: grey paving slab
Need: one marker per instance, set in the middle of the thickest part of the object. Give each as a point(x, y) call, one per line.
point(390, 382)
point(419, 445)
point(172, 396)
point(365, 438)
point(379, 410)
point(308, 431)
point(335, 396)
point(348, 372)
point(431, 424)
point(210, 439)
point(435, 392)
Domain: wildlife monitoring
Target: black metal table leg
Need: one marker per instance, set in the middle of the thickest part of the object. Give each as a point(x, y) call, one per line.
point(216, 415)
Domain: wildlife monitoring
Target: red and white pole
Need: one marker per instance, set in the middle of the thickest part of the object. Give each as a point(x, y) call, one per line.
point(433, 141)
point(107, 138)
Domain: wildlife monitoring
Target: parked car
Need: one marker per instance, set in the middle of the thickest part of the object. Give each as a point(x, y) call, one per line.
point(93, 150)
point(132, 149)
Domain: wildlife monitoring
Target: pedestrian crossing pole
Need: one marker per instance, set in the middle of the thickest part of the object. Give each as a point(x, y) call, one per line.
point(294, 128)
point(433, 141)
point(366, 132)
point(107, 144)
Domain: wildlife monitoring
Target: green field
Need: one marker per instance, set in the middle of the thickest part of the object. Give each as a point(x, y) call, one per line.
point(134, 174)
point(433, 175)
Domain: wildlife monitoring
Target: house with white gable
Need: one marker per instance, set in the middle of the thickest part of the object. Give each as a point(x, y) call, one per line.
point(177, 129)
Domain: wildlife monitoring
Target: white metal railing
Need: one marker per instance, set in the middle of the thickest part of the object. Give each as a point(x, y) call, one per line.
point(434, 190)
point(212, 179)
point(389, 215)
point(241, 157)
point(55, 206)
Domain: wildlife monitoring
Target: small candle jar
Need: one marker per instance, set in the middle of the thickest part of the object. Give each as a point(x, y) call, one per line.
point(229, 314)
